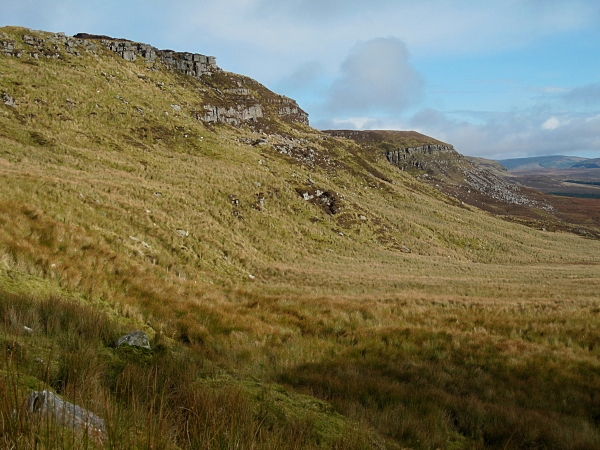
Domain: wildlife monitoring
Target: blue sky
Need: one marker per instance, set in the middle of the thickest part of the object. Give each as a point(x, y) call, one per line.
point(497, 79)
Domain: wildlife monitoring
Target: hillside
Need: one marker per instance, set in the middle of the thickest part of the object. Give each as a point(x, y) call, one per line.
point(482, 183)
point(299, 289)
point(542, 162)
point(491, 165)
point(587, 164)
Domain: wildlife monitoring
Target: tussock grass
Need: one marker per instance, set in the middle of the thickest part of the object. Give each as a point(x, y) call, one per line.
point(165, 398)
point(422, 324)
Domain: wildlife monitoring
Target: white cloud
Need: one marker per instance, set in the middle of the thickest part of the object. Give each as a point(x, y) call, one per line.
point(375, 77)
point(551, 124)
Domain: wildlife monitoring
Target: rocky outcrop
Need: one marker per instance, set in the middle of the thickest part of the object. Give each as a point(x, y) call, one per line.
point(48, 404)
point(7, 99)
point(244, 102)
point(8, 46)
point(135, 339)
point(289, 111)
point(330, 202)
point(233, 115)
point(400, 155)
point(49, 46)
point(193, 64)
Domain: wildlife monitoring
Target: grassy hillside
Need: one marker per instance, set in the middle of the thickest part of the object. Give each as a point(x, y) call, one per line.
point(494, 166)
point(299, 292)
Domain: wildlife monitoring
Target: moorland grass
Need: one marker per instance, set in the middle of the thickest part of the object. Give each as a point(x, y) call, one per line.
point(425, 324)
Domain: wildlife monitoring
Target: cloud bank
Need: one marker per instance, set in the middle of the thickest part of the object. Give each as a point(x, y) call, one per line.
point(514, 134)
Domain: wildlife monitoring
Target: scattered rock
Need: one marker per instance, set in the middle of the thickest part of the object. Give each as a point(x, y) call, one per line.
point(330, 202)
point(261, 141)
point(405, 249)
point(182, 233)
point(135, 339)
point(45, 403)
point(8, 100)
point(176, 107)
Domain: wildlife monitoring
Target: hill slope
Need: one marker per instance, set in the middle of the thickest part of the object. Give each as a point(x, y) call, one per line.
point(299, 290)
point(542, 162)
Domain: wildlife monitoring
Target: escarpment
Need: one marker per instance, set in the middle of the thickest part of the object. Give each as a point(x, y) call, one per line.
point(192, 64)
point(225, 97)
point(440, 165)
point(401, 157)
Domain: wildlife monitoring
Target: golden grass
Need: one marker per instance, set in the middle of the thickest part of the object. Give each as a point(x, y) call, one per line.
point(483, 336)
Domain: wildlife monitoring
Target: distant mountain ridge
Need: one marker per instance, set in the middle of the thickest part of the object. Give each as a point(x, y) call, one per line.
point(588, 164)
point(543, 162)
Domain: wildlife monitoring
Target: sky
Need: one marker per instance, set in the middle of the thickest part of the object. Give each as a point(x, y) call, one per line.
point(497, 79)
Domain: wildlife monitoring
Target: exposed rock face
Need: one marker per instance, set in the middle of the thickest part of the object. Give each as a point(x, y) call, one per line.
point(192, 64)
point(45, 403)
point(239, 102)
point(444, 163)
point(7, 46)
point(289, 110)
point(231, 115)
point(438, 164)
point(410, 155)
point(135, 339)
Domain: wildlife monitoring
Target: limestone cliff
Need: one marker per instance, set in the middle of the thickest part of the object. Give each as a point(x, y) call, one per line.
point(224, 97)
point(439, 164)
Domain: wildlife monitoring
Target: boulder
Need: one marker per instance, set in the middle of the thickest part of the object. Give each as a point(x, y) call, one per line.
point(136, 339)
point(46, 403)
point(8, 99)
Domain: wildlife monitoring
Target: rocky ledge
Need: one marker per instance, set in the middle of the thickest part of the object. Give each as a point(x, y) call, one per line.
point(193, 64)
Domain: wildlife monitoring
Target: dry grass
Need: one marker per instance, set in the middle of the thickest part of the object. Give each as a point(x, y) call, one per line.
point(483, 336)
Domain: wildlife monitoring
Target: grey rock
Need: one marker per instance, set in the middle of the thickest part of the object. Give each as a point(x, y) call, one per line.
point(397, 156)
point(45, 403)
point(136, 339)
point(8, 99)
point(192, 64)
point(128, 55)
point(176, 107)
point(289, 111)
point(182, 233)
point(231, 115)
